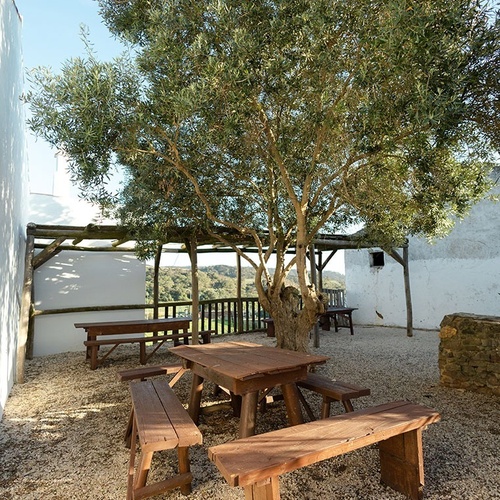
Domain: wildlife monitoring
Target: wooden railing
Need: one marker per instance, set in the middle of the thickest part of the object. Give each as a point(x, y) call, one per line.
point(220, 315)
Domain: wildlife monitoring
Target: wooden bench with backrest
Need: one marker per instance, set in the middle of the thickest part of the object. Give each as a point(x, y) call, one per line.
point(160, 422)
point(256, 462)
point(331, 390)
point(144, 356)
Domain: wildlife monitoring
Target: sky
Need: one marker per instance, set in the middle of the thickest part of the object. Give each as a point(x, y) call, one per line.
point(52, 35)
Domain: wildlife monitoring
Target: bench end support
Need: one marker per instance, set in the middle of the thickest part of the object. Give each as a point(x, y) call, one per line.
point(263, 490)
point(402, 463)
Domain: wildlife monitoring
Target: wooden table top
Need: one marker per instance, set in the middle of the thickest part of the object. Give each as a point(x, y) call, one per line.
point(340, 309)
point(135, 325)
point(244, 360)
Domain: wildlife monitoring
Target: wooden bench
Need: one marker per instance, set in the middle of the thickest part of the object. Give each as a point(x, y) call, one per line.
point(160, 422)
point(331, 390)
point(153, 371)
point(256, 462)
point(144, 356)
point(335, 312)
point(144, 373)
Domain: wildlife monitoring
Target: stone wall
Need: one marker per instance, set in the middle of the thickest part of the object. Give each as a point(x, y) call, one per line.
point(469, 353)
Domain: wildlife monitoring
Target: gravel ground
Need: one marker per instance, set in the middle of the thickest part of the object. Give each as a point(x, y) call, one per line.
point(61, 434)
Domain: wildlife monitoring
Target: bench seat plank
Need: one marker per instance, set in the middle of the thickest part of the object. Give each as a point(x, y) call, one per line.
point(257, 458)
point(150, 414)
point(145, 372)
point(331, 390)
point(336, 389)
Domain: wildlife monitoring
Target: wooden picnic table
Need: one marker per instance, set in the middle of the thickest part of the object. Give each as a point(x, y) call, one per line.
point(244, 369)
point(116, 328)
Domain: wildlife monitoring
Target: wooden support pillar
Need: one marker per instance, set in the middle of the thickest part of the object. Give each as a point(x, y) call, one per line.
point(239, 326)
point(24, 320)
point(406, 275)
point(312, 258)
point(192, 246)
point(156, 283)
point(409, 307)
point(319, 266)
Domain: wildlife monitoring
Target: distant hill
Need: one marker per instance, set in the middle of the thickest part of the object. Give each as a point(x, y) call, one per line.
point(217, 282)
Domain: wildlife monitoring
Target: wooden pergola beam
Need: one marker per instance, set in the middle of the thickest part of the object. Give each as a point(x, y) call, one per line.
point(48, 252)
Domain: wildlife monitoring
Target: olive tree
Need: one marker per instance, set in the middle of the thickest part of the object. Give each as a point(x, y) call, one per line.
point(279, 119)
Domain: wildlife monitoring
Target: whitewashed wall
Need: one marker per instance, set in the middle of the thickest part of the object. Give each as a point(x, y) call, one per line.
point(460, 273)
point(13, 192)
point(75, 279)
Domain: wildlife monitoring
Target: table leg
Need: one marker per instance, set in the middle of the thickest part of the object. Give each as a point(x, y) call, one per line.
point(336, 322)
point(350, 323)
point(292, 402)
point(248, 413)
point(195, 399)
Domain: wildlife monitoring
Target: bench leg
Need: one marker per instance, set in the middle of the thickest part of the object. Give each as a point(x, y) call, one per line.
point(143, 467)
point(129, 430)
point(131, 464)
point(184, 468)
point(266, 490)
point(402, 463)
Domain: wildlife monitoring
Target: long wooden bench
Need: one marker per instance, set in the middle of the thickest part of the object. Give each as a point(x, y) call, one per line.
point(160, 422)
point(331, 390)
point(144, 356)
point(256, 462)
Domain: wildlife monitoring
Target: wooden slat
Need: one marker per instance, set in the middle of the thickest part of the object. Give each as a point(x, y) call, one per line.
point(249, 460)
point(148, 371)
point(153, 428)
point(336, 389)
point(187, 432)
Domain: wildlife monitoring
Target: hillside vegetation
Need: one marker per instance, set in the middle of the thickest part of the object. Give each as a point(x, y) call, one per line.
point(216, 282)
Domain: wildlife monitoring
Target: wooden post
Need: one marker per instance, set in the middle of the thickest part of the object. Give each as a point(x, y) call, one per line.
point(409, 307)
point(195, 299)
point(406, 275)
point(25, 308)
point(239, 326)
point(320, 272)
point(312, 258)
point(156, 282)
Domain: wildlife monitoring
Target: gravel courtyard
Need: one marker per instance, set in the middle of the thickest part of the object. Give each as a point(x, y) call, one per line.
point(61, 433)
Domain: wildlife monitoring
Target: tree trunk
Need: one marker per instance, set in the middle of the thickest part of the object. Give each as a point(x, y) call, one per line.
point(292, 323)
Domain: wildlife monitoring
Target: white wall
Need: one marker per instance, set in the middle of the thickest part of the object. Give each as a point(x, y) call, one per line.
point(78, 279)
point(13, 192)
point(460, 273)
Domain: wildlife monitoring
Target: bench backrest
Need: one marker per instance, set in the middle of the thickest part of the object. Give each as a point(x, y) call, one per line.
point(162, 422)
point(256, 458)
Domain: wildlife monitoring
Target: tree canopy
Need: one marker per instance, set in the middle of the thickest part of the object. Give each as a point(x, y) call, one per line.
point(282, 118)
